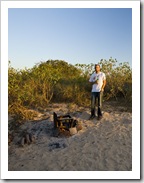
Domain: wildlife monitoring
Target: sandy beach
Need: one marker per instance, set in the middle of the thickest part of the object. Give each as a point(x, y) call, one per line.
point(104, 145)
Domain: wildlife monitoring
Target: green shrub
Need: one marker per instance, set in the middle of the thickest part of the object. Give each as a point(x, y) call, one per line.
point(58, 81)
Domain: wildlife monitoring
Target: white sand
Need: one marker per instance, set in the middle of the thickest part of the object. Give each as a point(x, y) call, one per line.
point(99, 146)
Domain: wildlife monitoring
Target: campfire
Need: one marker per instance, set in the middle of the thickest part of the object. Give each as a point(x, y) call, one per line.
point(65, 125)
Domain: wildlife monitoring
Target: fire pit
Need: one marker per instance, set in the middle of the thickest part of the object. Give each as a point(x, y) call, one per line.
point(65, 125)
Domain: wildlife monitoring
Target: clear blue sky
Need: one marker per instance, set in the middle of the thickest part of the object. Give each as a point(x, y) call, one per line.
point(74, 35)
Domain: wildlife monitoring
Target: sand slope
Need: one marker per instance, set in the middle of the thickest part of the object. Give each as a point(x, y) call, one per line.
point(100, 146)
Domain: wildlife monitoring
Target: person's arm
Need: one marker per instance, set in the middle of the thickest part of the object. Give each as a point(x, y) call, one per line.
point(91, 80)
point(103, 86)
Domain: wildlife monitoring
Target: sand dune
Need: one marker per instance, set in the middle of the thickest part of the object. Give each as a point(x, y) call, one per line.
point(104, 145)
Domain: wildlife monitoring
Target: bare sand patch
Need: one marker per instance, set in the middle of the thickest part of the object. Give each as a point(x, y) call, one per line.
point(104, 145)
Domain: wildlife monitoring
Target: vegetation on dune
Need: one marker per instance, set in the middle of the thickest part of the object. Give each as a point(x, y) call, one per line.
point(58, 81)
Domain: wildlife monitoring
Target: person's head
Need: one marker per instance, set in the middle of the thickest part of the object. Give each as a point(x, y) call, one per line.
point(97, 67)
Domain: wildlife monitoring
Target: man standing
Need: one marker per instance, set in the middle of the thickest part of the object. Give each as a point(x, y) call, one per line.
point(98, 81)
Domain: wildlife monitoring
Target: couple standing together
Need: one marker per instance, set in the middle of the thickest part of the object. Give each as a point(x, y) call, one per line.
point(98, 81)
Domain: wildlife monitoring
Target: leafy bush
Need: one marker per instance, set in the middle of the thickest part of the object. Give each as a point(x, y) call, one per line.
point(119, 79)
point(58, 81)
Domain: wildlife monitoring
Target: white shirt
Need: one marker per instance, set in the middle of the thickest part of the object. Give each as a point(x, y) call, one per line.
point(100, 77)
